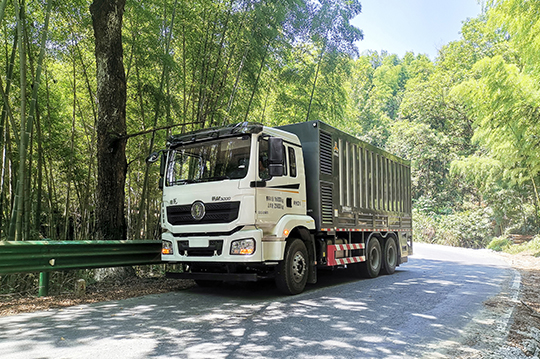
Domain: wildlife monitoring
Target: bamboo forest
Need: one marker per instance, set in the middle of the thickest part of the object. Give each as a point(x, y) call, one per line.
point(468, 120)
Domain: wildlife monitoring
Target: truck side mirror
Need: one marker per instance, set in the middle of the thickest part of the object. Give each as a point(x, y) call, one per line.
point(275, 156)
point(154, 156)
point(162, 164)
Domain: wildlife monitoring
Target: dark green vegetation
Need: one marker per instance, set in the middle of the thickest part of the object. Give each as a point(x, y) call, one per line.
point(468, 120)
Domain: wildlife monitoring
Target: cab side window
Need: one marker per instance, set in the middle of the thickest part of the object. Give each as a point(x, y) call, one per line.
point(292, 162)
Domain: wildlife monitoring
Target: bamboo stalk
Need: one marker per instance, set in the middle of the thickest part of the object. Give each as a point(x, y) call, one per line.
point(139, 222)
point(21, 180)
point(255, 86)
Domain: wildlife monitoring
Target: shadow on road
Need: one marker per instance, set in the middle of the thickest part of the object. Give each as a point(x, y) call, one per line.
point(408, 314)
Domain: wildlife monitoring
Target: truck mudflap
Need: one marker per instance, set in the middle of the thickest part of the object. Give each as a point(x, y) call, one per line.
point(333, 261)
point(237, 277)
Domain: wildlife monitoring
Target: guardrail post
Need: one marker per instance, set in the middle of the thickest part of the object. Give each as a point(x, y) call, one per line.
point(43, 284)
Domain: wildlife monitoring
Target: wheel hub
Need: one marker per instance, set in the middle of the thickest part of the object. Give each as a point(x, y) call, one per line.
point(298, 266)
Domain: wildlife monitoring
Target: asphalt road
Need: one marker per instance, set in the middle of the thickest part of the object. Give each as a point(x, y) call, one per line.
point(430, 305)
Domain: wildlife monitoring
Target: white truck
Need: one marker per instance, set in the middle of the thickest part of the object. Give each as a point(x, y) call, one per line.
point(248, 202)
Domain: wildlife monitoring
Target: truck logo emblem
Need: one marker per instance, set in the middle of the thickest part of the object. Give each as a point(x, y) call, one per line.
point(198, 210)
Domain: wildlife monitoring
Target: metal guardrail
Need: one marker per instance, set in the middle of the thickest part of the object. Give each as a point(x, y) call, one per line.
point(47, 256)
point(40, 256)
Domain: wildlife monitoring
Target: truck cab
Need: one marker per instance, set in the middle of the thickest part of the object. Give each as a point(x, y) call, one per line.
point(231, 197)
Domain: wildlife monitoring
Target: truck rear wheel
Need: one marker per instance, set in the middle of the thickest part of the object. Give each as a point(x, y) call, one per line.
point(390, 256)
point(292, 271)
point(372, 266)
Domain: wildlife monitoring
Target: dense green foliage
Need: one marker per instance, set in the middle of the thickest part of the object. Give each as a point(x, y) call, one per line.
point(468, 120)
point(187, 64)
point(505, 244)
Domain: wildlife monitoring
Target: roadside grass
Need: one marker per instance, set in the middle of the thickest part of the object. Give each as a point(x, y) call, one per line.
point(505, 244)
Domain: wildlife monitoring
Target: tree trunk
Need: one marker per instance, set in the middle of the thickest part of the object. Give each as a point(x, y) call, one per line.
point(39, 190)
point(4, 140)
point(111, 125)
point(24, 136)
point(255, 87)
point(30, 125)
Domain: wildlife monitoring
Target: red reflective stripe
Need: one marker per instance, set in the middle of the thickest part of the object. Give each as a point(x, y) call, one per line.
point(350, 260)
point(341, 247)
point(333, 261)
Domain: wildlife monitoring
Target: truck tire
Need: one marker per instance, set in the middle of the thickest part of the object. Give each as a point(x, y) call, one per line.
point(390, 256)
point(292, 271)
point(372, 266)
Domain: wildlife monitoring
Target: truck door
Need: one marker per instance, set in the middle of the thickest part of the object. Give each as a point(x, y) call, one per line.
point(277, 195)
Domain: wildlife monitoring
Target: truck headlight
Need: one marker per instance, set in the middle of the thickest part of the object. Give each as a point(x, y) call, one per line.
point(243, 246)
point(166, 247)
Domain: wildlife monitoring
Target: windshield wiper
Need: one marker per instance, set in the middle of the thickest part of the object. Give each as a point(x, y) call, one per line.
point(185, 181)
point(212, 179)
point(199, 180)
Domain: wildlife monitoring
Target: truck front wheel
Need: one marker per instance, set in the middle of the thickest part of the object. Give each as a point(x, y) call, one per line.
point(292, 271)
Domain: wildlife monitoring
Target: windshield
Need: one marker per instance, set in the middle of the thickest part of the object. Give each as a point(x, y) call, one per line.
point(209, 161)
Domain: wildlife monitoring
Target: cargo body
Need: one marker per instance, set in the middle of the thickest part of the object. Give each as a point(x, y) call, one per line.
point(354, 186)
point(248, 202)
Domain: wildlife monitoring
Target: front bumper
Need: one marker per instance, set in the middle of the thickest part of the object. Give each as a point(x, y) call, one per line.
point(217, 249)
point(237, 277)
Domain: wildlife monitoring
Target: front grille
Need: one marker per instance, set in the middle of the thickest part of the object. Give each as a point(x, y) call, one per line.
point(223, 212)
point(215, 248)
point(326, 203)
